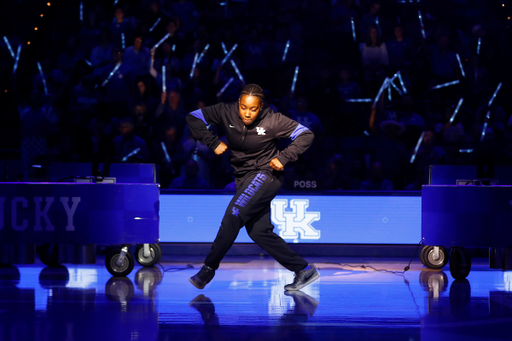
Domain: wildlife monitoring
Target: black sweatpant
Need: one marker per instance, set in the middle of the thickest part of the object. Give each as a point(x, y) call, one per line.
point(250, 207)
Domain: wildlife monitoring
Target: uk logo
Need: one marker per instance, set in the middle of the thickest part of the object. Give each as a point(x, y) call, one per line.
point(297, 223)
point(260, 130)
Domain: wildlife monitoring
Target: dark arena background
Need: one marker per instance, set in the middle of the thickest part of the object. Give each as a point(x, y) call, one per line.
point(108, 203)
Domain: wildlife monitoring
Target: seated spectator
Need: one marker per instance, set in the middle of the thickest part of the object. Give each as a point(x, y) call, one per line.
point(374, 56)
point(137, 57)
point(305, 117)
point(130, 147)
point(376, 181)
point(101, 55)
point(121, 25)
point(429, 153)
point(144, 94)
point(369, 19)
point(444, 64)
point(400, 50)
point(408, 116)
point(68, 59)
point(170, 111)
point(190, 180)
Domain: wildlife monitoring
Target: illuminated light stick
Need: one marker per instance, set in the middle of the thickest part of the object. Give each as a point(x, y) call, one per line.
point(483, 132)
point(173, 47)
point(9, 47)
point(164, 148)
point(42, 77)
point(115, 2)
point(383, 86)
point(164, 82)
point(389, 92)
point(478, 46)
point(456, 110)
point(132, 153)
point(401, 82)
point(359, 100)
point(353, 28)
point(445, 85)
point(488, 115)
point(122, 41)
point(460, 65)
point(88, 62)
point(224, 87)
point(377, 22)
point(17, 59)
point(111, 74)
point(81, 11)
point(420, 140)
point(396, 88)
point(466, 151)
point(286, 49)
point(295, 78)
point(494, 95)
point(203, 53)
point(154, 25)
point(194, 65)
point(229, 54)
point(366, 133)
point(224, 48)
point(421, 24)
point(237, 71)
point(161, 41)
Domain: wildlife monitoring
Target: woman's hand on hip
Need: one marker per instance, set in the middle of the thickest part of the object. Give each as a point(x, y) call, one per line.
point(276, 164)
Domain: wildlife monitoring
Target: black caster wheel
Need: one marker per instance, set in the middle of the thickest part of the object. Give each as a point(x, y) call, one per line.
point(422, 254)
point(49, 254)
point(122, 268)
point(155, 254)
point(460, 263)
point(429, 258)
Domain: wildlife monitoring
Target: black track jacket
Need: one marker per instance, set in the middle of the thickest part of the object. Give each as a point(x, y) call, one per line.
point(255, 145)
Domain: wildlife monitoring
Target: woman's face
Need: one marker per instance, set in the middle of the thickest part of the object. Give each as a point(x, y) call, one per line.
point(373, 34)
point(249, 107)
point(142, 87)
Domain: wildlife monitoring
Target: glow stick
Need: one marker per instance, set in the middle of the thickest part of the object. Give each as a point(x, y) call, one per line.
point(483, 132)
point(366, 133)
point(383, 86)
point(9, 47)
point(353, 28)
point(396, 88)
point(132, 153)
point(161, 41)
point(389, 92)
point(115, 2)
point(164, 82)
point(88, 62)
point(456, 110)
point(237, 71)
point(194, 65)
point(81, 11)
point(445, 85)
point(42, 77)
point(466, 151)
point(154, 25)
point(377, 21)
point(111, 74)
point(164, 148)
point(488, 115)
point(224, 48)
point(401, 81)
point(286, 49)
point(359, 100)
point(224, 87)
point(229, 54)
point(173, 47)
point(478, 46)
point(420, 140)
point(203, 53)
point(494, 95)
point(295, 78)
point(122, 41)
point(17, 59)
point(460, 65)
point(421, 24)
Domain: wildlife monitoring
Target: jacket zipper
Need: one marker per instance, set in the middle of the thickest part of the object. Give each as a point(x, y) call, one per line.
point(244, 133)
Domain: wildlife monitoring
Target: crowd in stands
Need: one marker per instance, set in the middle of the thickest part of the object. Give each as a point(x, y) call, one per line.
point(91, 86)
